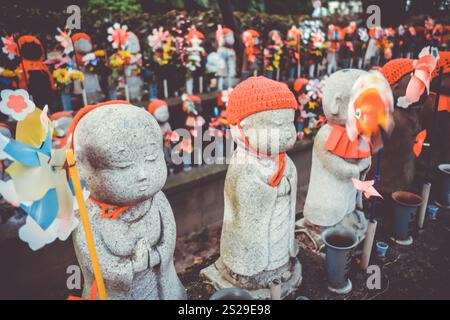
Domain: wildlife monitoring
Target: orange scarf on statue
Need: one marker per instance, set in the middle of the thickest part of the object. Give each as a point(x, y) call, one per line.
point(339, 144)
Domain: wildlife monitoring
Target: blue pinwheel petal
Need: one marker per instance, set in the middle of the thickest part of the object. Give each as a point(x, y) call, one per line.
point(23, 153)
point(26, 154)
point(72, 189)
point(43, 211)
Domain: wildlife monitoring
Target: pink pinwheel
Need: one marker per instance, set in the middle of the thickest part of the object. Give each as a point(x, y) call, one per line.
point(65, 41)
point(9, 47)
point(118, 35)
point(157, 38)
point(420, 80)
point(366, 187)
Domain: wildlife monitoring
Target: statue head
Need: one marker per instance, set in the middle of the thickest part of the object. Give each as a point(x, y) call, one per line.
point(261, 114)
point(133, 43)
point(159, 110)
point(336, 94)
point(118, 148)
point(82, 42)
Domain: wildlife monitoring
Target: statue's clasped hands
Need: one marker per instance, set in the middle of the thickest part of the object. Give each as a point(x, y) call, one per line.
point(145, 256)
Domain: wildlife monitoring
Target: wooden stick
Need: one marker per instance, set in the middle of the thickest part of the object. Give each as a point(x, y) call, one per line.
point(200, 84)
point(368, 243)
point(166, 89)
point(372, 227)
point(86, 225)
point(423, 207)
point(275, 289)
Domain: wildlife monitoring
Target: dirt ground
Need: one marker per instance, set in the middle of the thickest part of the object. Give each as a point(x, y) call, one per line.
point(419, 271)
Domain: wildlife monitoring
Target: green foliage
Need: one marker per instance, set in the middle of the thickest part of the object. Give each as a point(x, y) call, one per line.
point(112, 8)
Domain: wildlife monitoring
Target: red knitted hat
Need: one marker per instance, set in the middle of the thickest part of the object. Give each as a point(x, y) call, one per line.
point(155, 104)
point(258, 94)
point(395, 69)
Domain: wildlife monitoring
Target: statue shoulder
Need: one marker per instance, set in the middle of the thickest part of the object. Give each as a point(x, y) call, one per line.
point(322, 135)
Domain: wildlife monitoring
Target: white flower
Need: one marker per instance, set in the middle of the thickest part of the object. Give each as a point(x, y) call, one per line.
point(16, 103)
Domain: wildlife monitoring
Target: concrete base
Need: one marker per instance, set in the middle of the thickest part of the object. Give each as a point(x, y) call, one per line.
point(346, 289)
point(212, 275)
point(406, 242)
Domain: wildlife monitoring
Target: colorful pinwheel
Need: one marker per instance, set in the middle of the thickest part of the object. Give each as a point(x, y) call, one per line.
point(10, 47)
point(118, 35)
point(39, 181)
point(370, 108)
point(65, 41)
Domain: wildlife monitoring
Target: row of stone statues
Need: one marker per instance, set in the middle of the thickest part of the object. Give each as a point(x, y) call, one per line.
point(119, 152)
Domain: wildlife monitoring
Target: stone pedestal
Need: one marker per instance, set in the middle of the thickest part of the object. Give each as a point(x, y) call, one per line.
point(219, 276)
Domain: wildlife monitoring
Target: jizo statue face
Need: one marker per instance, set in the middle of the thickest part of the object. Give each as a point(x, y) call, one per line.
point(229, 39)
point(269, 132)
point(120, 155)
point(162, 114)
point(83, 45)
point(133, 43)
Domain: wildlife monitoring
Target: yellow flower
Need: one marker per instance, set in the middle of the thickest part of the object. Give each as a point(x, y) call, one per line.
point(99, 53)
point(10, 73)
point(62, 75)
point(307, 131)
point(116, 61)
point(124, 54)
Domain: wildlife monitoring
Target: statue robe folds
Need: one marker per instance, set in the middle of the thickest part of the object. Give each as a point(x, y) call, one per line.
point(255, 235)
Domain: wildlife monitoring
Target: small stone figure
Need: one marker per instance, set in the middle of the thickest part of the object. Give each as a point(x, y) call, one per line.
point(258, 245)
point(252, 43)
point(35, 76)
point(334, 38)
point(293, 41)
point(273, 55)
point(133, 225)
point(225, 48)
point(160, 110)
point(192, 106)
point(332, 198)
point(88, 62)
point(133, 69)
point(398, 162)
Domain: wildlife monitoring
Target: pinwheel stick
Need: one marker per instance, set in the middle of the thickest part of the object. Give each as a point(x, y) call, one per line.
point(299, 67)
point(372, 227)
point(83, 90)
point(427, 183)
point(127, 92)
point(86, 225)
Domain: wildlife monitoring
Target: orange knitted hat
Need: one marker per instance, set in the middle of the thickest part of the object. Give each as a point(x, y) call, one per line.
point(395, 69)
point(155, 104)
point(299, 83)
point(258, 94)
